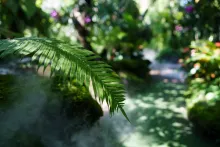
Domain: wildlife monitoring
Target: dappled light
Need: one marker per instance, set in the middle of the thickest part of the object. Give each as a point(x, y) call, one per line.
point(159, 115)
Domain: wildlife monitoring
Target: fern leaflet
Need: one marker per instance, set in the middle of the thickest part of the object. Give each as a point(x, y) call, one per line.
point(71, 61)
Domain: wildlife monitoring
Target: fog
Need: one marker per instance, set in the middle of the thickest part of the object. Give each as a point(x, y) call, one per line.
point(35, 116)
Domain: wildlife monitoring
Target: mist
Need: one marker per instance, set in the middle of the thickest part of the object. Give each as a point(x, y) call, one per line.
point(35, 117)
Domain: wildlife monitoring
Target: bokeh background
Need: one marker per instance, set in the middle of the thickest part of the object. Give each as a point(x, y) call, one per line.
point(166, 52)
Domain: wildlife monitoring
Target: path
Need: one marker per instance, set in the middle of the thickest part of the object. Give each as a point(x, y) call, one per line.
point(157, 113)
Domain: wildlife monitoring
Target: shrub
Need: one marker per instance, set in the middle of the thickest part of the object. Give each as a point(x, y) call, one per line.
point(203, 65)
point(139, 68)
point(77, 101)
point(6, 89)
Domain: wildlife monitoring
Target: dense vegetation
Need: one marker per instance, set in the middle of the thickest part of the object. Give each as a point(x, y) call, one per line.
point(203, 65)
point(90, 47)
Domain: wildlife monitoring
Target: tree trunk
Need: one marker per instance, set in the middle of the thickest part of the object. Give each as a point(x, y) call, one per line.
point(82, 34)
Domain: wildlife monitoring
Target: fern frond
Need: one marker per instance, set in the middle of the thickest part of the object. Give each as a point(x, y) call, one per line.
point(71, 61)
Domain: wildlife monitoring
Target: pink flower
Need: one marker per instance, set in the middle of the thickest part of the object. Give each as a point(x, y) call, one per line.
point(87, 19)
point(193, 52)
point(54, 14)
point(178, 28)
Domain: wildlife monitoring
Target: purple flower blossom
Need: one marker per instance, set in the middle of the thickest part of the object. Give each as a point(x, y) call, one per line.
point(189, 9)
point(87, 19)
point(178, 28)
point(54, 14)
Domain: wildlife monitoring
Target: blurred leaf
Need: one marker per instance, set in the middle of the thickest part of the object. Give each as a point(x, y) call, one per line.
point(28, 7)
point(12, 5)
point(121, 35)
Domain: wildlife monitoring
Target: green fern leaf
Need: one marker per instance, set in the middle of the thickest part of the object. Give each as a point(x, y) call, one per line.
point(71, 61)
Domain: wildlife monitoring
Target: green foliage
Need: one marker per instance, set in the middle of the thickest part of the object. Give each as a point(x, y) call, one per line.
point(203, 66)
point(71, 89)
point(175, 25)
point(6, 89)
point(28, 7)
point(77, 101)
point(140, 68)
point(206, 118)
point(21, 16)
point(164, 18)
point(112, 26)
point(203, 93)
point(204, 61)
point(203, 21)
point(115, 26)
point(71, 61)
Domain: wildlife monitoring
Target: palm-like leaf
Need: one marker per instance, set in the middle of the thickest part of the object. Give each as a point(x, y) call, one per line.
point(71, 61)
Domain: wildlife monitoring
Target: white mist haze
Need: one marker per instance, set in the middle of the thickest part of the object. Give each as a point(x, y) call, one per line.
point(37, 111)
